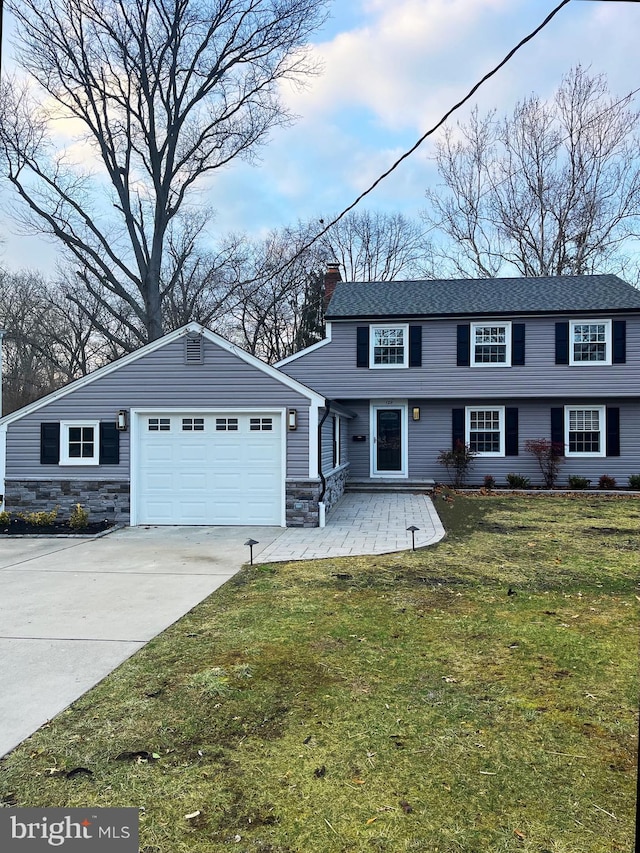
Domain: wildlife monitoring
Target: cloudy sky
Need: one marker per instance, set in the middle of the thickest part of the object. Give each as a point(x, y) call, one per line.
point(391, 69)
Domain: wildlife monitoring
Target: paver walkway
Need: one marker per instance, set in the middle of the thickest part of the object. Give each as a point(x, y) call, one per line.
point(361, 523)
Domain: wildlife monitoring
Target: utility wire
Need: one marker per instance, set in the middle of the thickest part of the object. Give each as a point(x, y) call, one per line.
point(430, 132)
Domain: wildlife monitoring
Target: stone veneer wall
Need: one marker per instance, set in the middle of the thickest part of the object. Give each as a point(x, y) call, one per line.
point(302, 498)
point(105, 499)
point(335, 486)
point(302, 503)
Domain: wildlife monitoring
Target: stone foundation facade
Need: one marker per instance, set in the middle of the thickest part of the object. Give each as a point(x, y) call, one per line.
point(302, 503)
point(336, 482)
point(110, 499)
point(105, 499)
point(302, 497)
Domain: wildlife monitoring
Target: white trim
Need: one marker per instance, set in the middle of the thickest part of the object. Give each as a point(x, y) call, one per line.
point(67, 460)
point(403, 406)
point(602, 431)
point(213, 337)
point(138, 414)
point(3, 461)
point(608, 342)
point(314, 420)
point(372, 345)
point(336, 439)
point(311, 348)
point(502, 426)
point(506, 325)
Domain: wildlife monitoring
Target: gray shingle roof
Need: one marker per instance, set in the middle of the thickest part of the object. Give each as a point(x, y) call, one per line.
point(571, 294)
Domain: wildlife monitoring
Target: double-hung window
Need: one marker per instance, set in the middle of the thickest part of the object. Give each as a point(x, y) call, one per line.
point(590, 342)
point(491, 344)
point(485, 432)
point(585, 431)
point(389, 346)
point(80, 443)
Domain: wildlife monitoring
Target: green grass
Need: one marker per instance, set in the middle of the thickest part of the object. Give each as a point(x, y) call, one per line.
point(395, 703)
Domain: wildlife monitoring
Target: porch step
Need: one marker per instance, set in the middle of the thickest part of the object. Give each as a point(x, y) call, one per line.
point(389, 485)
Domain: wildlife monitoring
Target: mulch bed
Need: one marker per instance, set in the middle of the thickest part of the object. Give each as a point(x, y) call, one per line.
point(20, 527)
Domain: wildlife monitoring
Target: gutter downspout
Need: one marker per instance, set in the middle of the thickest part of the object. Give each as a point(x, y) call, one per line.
point(321, 509)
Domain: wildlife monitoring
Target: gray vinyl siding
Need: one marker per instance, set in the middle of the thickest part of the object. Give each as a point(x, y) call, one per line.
point(327, 442)
point(331, 370)
point(432, 434)
point(159, 380)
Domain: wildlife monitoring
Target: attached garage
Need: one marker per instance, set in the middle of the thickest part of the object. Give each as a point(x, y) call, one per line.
point(189, 429)
point(208, 467)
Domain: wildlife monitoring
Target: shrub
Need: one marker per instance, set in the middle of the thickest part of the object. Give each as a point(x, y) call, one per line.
point(518, 481)
point(41, 518)
point(634, 481)
point(457, 462)
point(5, 517)
point(576, 482)
point(489, 482)
point(79, 518)
point(550, 456)
point(606, 482)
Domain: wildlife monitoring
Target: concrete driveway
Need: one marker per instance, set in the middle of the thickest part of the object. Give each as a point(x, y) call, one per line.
point(71, 610)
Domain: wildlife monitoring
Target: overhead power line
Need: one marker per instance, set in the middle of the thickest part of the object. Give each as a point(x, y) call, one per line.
point(429, 132)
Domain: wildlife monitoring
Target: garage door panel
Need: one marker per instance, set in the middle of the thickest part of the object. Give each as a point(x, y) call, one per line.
point(210, 476)
point(192, 481)
point(157, 481)
point(159, 452)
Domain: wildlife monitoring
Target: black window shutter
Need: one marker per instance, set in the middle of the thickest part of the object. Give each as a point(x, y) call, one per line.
point(457, 427)
point(109, 444)
point(562, 343)
point(464, 345)
point(49, 444)
point(511, 429)
point(517, 344)
point(613, 431)
point(415, 346)
point(557, 427)
point(362, 346)
point(619, 341)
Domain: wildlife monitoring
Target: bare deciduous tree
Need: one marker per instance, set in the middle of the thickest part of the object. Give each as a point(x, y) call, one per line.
point(376, 246)
point(164, 92)
point(552, 189)
point(48, 342)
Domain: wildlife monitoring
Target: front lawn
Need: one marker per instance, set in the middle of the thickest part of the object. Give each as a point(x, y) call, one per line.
point(480, 695)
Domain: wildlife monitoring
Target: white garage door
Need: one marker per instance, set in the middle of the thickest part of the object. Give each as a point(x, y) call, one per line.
point(196, 468)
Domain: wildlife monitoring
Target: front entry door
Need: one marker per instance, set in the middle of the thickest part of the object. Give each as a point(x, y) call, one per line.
point(388, 454)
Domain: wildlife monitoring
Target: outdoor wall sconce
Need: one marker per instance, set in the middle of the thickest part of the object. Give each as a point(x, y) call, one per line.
point(416, 413)
point(292, 419)
point(121, 423)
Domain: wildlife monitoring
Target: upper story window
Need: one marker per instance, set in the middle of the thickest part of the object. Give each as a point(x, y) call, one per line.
point(389, 346)
point(485, 432)
point(590, 342)
point(491, 344)
point(79, 444)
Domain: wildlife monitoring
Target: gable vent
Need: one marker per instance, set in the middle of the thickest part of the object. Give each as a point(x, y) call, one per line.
point(193, 349)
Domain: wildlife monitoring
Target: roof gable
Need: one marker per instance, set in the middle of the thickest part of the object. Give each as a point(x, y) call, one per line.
point(572, 294)
point(169, 338)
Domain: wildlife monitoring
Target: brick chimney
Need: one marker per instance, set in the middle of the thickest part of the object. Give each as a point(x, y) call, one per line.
point(331, 278)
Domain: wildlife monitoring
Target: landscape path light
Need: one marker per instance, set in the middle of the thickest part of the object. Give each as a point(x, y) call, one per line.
point(251, 543)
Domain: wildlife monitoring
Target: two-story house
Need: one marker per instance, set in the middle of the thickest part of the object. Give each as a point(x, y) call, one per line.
point(491, 363)
point(192, 430)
